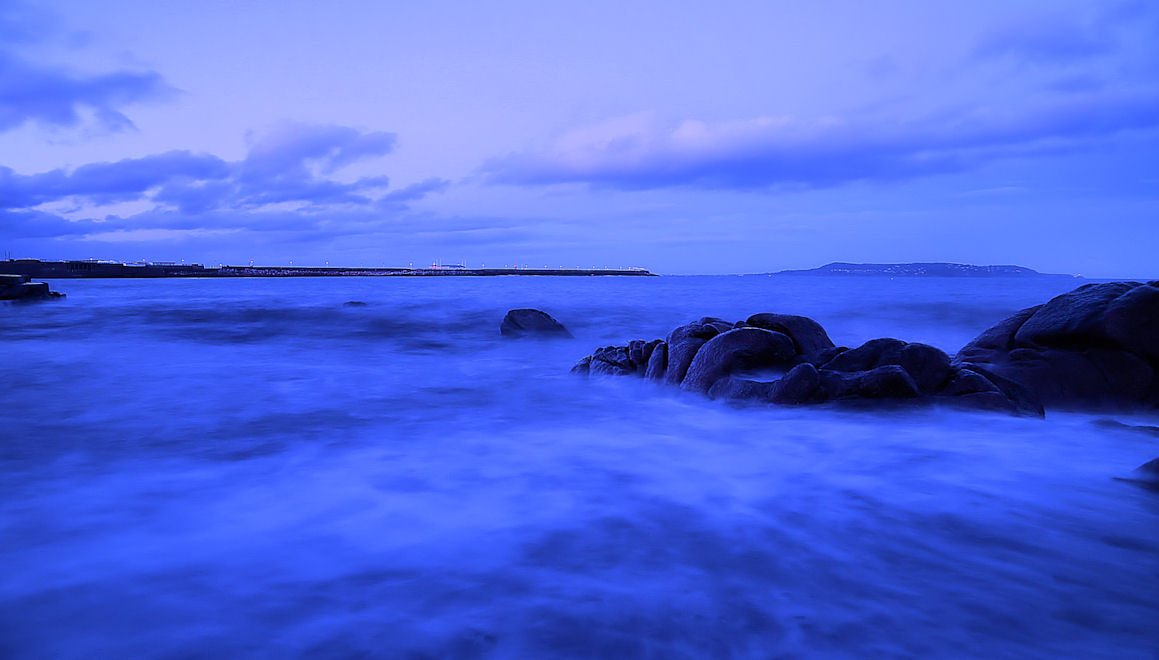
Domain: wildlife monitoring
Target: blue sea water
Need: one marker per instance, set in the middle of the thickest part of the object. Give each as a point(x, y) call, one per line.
point(223, 468)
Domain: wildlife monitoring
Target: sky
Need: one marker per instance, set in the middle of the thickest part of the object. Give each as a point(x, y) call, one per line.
point(683, 137)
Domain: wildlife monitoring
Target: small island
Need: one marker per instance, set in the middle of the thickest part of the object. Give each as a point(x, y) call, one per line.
point(932, 269)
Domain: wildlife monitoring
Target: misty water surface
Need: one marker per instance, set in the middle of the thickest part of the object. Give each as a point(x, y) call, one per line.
point(198, 468)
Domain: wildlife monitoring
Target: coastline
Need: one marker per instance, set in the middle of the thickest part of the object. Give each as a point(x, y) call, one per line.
point(75, 269)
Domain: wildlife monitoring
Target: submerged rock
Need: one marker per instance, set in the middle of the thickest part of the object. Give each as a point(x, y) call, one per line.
point(1146, 475)
point(531, 323)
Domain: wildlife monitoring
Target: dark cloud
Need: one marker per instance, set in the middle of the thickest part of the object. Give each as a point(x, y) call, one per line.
point(1045, 39)
point(770, 152)
point(198, 193)
point(413, 193)
point(288, 166)
point(53, 96)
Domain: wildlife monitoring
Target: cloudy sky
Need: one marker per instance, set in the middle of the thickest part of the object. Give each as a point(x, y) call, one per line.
point(686, 137)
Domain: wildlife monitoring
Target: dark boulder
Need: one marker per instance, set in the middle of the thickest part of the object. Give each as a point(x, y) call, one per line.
point(1094, 347)
point(800, 385)
point(683, 343)
point(612, 361)
point(1022, 398)
point(657, 362)
point(808, 336)
point(531, 323)
point(969, 382)
point(885, 382)
point(741, 349)
point(929, 367)
point(735, 388)
point(867, 356)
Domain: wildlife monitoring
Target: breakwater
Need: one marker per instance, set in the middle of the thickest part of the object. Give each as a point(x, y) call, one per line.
point(113, 269)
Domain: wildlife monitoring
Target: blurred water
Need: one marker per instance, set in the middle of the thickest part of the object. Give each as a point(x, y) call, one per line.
point(196, 468)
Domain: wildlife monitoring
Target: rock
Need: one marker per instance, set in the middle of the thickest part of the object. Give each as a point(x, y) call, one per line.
point(867, 356)
point(969, 382)
point(531, 323)
point(649, 347)
point(1075, 317)
point(636, 355)
point(583, 367)
point(612, 361)
point(657, 362)
point(821, 357)
point(929, 367)
point(354, 303)
point(1025, 401)
point(1094, 347)
point(683, 343)
point(800, 385)
point(1146, 475)
point(808, 336)
point(999, 337)
point(720, 324)
point(1132, 321)
point(21, 288)
point(737, 350)
point(735, 388)
point(887, 382)
point(988, 401)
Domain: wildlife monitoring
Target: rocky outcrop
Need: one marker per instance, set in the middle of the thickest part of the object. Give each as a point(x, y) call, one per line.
point(531, 323)
point(1095, 347)
point(21, 288)
point(790, 360)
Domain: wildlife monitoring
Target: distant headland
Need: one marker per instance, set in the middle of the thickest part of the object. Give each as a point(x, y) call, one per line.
point(95, 268)
point(936, 269)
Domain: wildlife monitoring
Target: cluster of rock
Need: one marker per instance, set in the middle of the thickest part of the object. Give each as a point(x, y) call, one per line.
point(1097, 346)
point(785, 359)
point(21, 287)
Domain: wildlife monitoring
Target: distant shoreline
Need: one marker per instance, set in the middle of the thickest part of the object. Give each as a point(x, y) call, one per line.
point(92, 269)
point(919, 269)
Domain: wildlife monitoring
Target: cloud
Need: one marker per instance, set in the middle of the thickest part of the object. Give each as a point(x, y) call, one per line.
point(290, 165)
point(639, 153)
point(413, 193)
point(1045, 38)
point(286, 185)
point(32, 92)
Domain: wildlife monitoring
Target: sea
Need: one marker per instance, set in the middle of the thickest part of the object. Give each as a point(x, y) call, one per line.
point(216, 468)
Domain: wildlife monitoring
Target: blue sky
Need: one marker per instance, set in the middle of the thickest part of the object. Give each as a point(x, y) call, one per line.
point(683, 137)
